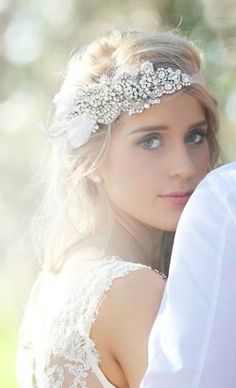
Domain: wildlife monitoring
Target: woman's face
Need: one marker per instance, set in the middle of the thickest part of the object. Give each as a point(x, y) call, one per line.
point(155, 161)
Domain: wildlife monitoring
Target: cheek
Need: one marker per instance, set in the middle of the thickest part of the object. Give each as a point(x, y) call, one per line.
point(124, 174)
point(205, 158)
point(129, 177)
point(201, 159)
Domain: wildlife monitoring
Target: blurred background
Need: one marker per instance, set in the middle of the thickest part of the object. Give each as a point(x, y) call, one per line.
point(37, 37)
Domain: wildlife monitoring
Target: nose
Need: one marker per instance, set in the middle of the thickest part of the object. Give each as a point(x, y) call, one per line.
point(181, 164)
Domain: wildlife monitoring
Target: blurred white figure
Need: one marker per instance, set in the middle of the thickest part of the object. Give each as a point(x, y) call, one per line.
point(193, 341)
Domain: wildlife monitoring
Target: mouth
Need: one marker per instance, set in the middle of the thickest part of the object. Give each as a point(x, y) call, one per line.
point(177, 197)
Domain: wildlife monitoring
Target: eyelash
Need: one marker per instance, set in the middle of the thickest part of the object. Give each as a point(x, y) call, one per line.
point(156, 136)
point(153, 136)
point(199, 132)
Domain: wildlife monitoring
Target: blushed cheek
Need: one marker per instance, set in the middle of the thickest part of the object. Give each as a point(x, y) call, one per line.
point(128, 185)
point(119, 179)
point(123, 166)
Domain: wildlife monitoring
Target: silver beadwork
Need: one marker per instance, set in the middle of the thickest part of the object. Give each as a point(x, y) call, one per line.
point(128, 92)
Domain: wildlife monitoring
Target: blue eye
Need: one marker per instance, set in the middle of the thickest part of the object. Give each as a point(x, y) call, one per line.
point(150, 142)
point(195, 137)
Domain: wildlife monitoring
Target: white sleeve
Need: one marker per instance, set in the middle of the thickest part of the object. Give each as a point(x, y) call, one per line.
point(193, 340)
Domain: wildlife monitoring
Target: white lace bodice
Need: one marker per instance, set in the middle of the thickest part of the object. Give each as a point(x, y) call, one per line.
point(55, 348)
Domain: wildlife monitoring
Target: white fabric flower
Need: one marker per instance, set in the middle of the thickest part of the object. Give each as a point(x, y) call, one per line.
point(76, 130)
point(64, 103)
point(79, 130)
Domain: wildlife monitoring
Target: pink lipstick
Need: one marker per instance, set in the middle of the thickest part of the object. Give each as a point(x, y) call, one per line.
point(179, 198)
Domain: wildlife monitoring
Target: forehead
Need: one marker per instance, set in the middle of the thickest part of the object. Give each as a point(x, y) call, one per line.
point(182, 109)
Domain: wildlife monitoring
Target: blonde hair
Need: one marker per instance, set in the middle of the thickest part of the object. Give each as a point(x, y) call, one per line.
point(71, 208)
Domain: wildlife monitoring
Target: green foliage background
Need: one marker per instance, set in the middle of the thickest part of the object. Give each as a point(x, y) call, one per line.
point(37, 38)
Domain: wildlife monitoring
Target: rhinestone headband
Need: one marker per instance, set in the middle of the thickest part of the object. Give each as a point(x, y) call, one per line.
point(101, 102)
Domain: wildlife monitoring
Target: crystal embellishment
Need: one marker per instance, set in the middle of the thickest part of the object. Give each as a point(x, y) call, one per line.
point(128, 92)
point(131, 91)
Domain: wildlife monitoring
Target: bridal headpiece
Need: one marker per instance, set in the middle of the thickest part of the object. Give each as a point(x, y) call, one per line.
point(83, 110)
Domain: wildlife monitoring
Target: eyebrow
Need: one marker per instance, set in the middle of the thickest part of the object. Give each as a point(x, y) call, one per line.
point(165, 127)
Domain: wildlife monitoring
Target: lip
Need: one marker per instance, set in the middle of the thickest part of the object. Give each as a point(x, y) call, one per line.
point(177, 197)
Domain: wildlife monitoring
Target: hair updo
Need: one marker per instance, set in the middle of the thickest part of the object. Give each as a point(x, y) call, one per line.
point(73, 208)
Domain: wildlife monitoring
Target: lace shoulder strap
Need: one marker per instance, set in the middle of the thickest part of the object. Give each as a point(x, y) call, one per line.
point(62, 351)
point(101, 281)
point(69, 338)
point(86, 296)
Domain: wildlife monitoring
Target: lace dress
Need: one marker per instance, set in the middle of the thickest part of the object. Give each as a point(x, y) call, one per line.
point(55, 348)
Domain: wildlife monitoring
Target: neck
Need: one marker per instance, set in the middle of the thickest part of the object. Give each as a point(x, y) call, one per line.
point(126, 238)
point(134, 241)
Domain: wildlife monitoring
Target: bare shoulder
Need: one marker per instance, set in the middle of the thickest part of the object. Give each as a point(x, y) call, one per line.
point(139, 287)
point(139, 291)
point(126, 317)
point(137, 297)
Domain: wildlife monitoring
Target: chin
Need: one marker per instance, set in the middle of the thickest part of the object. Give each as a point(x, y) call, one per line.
point(170, 225)
point(171, 228)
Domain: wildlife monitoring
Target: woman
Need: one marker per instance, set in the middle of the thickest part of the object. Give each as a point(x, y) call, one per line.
point(135, 131)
